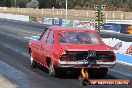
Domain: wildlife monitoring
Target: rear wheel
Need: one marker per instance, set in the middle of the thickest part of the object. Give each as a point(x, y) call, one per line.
point(103, 72)
point(32, 62)
point(99, 72)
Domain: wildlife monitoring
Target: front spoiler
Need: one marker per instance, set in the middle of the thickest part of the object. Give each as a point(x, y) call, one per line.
point(85, 64)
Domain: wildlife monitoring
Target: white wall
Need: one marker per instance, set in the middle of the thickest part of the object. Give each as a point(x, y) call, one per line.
point(113, 41)
point(14, 17)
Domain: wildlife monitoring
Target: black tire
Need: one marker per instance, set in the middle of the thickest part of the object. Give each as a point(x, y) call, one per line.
point(52, 71)
point(32, 62)
point(99, 72)
point(102, 72)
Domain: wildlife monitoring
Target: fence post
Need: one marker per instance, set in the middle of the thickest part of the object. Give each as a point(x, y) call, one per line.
point(42, 11)
point(6, 9)
point(61, 12)
point(3, 10)
point(122, 16)
point(18, 10)
point(0, 10)
point(57, 13)
point(87, 14)
point(113, 15)
point(13, 10)
point(23, 11)
point(106, 15)
point(131, 15)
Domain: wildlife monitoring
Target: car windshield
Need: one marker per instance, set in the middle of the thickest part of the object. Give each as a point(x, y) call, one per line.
point(78, 38)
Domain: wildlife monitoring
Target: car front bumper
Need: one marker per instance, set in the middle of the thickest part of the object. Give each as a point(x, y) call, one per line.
point(85, 64)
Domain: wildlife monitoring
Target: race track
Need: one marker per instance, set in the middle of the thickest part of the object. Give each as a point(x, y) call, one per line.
point(15, 63)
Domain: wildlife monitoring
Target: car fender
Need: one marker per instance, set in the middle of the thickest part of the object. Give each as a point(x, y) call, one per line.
point(54, 60)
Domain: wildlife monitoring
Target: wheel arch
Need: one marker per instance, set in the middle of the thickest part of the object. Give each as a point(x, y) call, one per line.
point(29, 50)
point(48, 60)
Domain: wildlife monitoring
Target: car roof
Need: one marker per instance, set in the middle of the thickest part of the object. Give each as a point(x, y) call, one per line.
point(60, 28)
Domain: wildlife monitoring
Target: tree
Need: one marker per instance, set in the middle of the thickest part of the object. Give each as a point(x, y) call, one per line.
point(6, 3)
point(33, 4)
point(42, 3)
point(22, 3)
point(61, 3)
point(125, 5)
point(130, 4)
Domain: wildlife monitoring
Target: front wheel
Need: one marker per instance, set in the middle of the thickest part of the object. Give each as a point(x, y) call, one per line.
point(32, 62)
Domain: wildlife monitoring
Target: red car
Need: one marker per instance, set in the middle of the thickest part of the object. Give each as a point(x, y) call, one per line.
point(76, 48)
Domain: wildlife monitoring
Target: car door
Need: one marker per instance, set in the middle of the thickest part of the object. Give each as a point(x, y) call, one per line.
point(41, 44)
point(48, 46)
point(36, 47)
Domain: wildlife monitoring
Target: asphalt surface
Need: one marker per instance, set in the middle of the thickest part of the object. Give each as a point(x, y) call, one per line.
point(15, 63)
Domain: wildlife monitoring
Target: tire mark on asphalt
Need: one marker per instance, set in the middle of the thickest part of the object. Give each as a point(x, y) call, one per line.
point(20, 30)
point(15, 75)
point(16, 49)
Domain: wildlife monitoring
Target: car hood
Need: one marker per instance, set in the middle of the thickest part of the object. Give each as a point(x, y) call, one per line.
point(86, 47)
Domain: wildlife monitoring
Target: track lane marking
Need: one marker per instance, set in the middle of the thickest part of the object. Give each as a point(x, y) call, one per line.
point(122, 73)
point(13, 48)
point(124, 63)
point(20, 30)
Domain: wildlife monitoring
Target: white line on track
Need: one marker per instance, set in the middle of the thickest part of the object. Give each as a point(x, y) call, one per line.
point(122, 73)
point(124, 63)
point(14, 48)
point(20, 30)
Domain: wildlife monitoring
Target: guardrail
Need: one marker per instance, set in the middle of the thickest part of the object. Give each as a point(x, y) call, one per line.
point(125, 28)
point(123, 49)
point(121, 26)
point(14, 17)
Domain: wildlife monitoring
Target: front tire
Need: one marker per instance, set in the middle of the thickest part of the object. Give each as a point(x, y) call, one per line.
point(32, 62)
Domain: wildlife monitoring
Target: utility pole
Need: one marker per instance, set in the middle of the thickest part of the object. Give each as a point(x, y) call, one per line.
point(15, 3)
point(66, 9)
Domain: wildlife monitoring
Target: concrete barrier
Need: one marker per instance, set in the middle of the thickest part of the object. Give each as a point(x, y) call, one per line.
point(123, 49)
point(14, 17)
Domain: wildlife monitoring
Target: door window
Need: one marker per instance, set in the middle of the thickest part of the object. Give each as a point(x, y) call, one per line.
point(50, 38)
point(45, 35)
